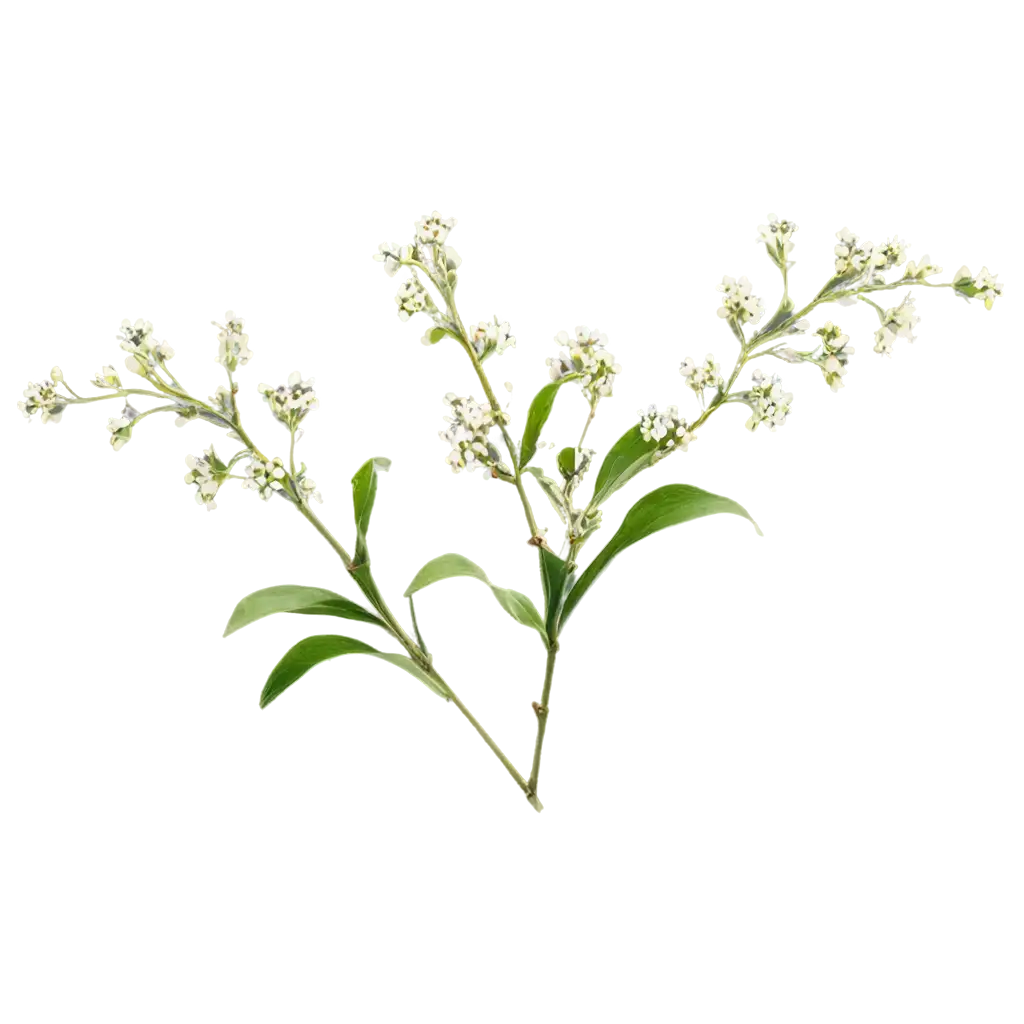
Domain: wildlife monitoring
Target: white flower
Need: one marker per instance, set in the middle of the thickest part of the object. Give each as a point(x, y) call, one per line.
point(776, 236)
point(137, 339)
point(233, 342)
point(120, 428)
point(668, 429)
point(768, 402)
point(207, 472)
point(467, 432)
point(918, 272)
point(890, 254)
point(487, 337)
point(988, 287)
point(392, 256)
point(587, 357)
point(738, 304)
point(412, 298)
point(851, 256)
point(291, 402)
point(44, 399)
point(107, 378)
point(432, 229)
point(707, 375)
point(836, 371)
point(884, 340)
point(307, 489)
point(901, 318)
point(264, 477)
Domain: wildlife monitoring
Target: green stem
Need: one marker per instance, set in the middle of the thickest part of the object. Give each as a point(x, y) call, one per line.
point(419, 655)
point(541, 711)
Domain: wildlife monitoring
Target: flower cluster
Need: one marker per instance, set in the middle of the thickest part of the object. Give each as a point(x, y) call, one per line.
point(43, 398)
point(666, 428)
point(467, 432)
point(412, 298)
point(777, 238)
point(233, 342)
point(738, 305)
point(487, 337)
point(897, 322)
point(120, 427)
point(707, 375)
point(265, 477)
point(768, 402)
point(292, 402)
point(207, 472)
point(573, 464)
point(854, 258)
point(835, 354)
point(427, 251)
point(984, 286)
point(587, 358)
point(138, 341)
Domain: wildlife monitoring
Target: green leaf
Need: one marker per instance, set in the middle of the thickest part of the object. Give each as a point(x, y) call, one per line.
point(519, 606)
point(630, 454)
point(435, 334)
point(300, 600)
point(551, 489)
point(556, 578)
point(315, 649)
point(781, 315)
point(540, 410)
point(365, 493)
point(666, 506)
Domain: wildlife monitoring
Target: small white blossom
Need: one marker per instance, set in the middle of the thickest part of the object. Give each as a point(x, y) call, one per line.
point(412, 298)
point(44, 399)
point(291, 402)
point(468, 427)
point(885, 338)
point(768, 402)
point(851, 256)
point(137, 340)
point(487, 337)
point(433, 229)
point(984, 286)
point(707, 375)
point(264, 477)
point(207, 472)
point(392, 256)
point(307, 489)
point(918, 272)
point(890, 254)
point(668, 429)
point(587, 356)
point(901, 318)
point(835, 354)
point(738, 304)
point(232, 342)
point(107, 378)
point(120, 428)
point(777, 236)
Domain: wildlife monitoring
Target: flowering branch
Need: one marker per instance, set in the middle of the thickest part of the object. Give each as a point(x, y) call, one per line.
point(583, 360)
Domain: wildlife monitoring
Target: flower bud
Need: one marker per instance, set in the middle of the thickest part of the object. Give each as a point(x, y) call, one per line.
point(56, 375)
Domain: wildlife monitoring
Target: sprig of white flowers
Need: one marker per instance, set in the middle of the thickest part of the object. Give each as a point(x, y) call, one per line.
point(475, 431)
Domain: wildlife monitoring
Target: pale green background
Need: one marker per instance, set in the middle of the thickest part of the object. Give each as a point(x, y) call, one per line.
point(168, 853)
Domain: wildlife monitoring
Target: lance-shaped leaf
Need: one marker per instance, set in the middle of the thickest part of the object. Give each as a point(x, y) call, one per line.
point(556, 578)
point(551, 489)
point(540, 410)
point(519, 606)
point(297, 600)
point(627, 457)
point(364, 499)
point(778, 320)
point(666, 506)
point(315, 649)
